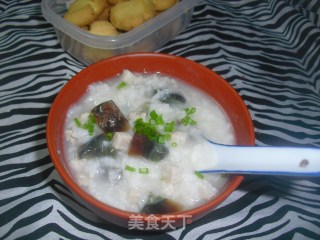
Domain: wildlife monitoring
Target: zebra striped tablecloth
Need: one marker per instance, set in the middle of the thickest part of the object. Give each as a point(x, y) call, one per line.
point(269, 50)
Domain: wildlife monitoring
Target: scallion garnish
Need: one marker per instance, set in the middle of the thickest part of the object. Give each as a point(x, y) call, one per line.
point(109, 136)
point(167, 136)
point(90, 130)
point(150, 128)
point(155, 128)
point(157, 118)
point(199, 174)
point(146, 128)
point(143, 170)
point(193, 122)
point(77, 122)
point(133, 169)
point(190, 110)
point(89, 125)
point(161, 139)
point(130, 169)
point(121, 85)
point(187, 120)
point(174, 144)
point(168, 127)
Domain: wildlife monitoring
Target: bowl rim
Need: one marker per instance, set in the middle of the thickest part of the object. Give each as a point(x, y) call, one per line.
point(71, 183)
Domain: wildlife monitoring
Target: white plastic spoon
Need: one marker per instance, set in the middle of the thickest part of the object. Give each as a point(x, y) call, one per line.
point(260, 160)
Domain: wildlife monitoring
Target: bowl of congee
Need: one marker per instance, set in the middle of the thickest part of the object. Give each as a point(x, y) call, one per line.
point(125, 134)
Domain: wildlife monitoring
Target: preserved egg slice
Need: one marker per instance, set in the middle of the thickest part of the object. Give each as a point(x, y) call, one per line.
point(109, 117)
point(96, 147)
point(141, 145)
point(161, 205)
point(173, 98)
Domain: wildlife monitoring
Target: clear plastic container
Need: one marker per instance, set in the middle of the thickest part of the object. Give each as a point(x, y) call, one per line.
point(148, 37)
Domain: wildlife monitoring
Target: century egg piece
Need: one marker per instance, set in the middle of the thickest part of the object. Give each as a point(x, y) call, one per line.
point(141, 145)
point(109, 117)
point(173, 98)
point(97, 147)
point(159, 205)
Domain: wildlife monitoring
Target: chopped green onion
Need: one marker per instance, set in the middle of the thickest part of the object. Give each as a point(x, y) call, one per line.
point(187, 120)
point(199, 174)
point(174, 144)
point(190, 110)
point(90, 130)
point(130, 169)
point(77, 122)
point(153, 114)
point(157, 118)
point(109, 136)
point(169, 127)
point(89, 125)
point(193, 122)
point(153, 129)
point(184, 122)
point(143, 170)
point(145, 128)
point(91, 119)
point(161, 139)
point(167, 136)
point(121, 85)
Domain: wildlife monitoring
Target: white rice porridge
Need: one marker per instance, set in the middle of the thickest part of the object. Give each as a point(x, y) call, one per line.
point(131, 182)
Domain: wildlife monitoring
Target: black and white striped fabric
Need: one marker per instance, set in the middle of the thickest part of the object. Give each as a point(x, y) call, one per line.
point(269, 51)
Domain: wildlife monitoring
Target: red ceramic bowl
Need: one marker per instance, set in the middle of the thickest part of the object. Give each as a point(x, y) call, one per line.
point(177, 67)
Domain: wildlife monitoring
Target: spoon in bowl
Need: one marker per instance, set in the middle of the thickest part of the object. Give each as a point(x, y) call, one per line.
point(233, 159)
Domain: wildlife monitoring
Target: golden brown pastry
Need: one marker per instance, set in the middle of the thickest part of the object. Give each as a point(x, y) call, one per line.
point(161, 5)
point(130, 14)
point(102, 28)
point(113, 2)
point(84, 12)
point(105, 13)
